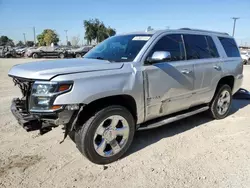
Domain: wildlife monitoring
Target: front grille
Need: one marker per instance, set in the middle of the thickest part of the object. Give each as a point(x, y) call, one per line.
point(25, 86)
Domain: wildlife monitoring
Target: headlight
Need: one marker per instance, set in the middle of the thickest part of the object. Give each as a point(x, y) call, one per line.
point(43, 95)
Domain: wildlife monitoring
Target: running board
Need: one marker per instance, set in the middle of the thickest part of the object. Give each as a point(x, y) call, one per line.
point(169, 119)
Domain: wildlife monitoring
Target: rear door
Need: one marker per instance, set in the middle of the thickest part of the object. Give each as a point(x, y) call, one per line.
point(169, 84)
point(201, 50)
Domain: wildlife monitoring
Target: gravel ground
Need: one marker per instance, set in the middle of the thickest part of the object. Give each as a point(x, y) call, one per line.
point(195, 152)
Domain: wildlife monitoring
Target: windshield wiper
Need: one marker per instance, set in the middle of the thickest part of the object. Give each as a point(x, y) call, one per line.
point(101, 58)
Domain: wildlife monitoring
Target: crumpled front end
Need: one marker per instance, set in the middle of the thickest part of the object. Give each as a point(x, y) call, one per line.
point(43, 120)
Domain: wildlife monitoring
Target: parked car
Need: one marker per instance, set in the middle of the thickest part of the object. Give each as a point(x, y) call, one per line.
point(7, 52)
point(245, 55)
point(21, 51)
point(79, 52)
point(45, 51)
point(129, 82)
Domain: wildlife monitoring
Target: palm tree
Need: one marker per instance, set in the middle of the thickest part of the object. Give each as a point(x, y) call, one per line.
point(96, 30)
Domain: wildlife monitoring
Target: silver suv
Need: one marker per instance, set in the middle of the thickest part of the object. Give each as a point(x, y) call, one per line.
point(129, 82)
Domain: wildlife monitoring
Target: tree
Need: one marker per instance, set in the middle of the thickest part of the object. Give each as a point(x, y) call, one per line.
point(5, 41)
point(89, 31)
point(111, 31)
point(40, 39)
point(101, 33)
point(20, 43)
point(47, 37)
point(96, 30)
point(75, 40)
point(29, 43)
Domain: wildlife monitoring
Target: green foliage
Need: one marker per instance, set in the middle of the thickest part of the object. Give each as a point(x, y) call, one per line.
point(47, 37)
point(5, 41)
point(96, 30)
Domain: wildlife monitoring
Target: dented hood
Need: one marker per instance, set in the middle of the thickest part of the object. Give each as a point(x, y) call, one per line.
point(45, 70)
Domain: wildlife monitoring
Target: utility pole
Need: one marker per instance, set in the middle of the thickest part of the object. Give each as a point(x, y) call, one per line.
point(24, 38)
point(34, 32)
point(235, 19)
point(66, 32)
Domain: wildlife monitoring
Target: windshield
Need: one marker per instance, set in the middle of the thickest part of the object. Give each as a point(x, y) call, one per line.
point(119, 48)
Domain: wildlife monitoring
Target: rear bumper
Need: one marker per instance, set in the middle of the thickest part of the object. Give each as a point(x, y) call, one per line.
point(39, 121)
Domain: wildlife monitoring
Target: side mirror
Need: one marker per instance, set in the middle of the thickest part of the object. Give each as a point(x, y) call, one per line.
point(159, 56)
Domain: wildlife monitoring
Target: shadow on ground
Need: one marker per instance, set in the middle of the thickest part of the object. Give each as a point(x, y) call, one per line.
point(145, 138)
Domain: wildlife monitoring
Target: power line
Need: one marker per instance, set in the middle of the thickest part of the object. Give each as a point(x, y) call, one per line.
point(235, 19)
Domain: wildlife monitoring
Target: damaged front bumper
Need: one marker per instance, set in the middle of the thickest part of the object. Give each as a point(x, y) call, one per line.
point(42, 121)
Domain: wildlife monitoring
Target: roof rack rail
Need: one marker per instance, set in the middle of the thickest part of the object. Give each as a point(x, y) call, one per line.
point(200, 30)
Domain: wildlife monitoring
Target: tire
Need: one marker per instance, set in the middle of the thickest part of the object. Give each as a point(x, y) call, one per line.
point(215, 109)
point(86, 136)
point(35, 55)
point(248, 62)
point(61, 55)
point(8, 56)
point(78, 55)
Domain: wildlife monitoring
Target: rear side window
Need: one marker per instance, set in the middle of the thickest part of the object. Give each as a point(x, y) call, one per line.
point(173, 44)
point(196, 47)
point(212, 48)
point(230, 47)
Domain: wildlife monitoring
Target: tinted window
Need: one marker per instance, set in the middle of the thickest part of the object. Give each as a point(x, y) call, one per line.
point(196, 47)
point(172, 44)
point(212, 47)
point(230, 47)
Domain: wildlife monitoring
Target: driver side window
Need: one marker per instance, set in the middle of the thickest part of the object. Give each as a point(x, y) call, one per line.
point(173, 44)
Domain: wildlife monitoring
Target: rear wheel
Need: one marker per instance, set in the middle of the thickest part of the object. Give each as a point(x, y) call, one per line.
point(107, 135)
point(78, 55)
point(35, 55)
point(248, 62)
point(220, 105)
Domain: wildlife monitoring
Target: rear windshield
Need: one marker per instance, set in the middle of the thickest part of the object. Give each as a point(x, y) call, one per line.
point(230, 47)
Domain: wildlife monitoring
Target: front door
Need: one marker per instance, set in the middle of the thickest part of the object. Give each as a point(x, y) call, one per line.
point(168, 85)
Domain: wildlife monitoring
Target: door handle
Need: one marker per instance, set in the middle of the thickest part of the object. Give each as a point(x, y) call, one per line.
point(185, 71)
point(218, 68)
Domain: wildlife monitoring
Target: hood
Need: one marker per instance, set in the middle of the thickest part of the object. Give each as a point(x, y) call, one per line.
point(45, 70)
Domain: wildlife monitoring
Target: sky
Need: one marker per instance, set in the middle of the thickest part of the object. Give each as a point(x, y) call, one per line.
point(20, 16)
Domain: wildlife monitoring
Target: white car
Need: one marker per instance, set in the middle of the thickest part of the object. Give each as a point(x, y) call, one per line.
point(245, 56)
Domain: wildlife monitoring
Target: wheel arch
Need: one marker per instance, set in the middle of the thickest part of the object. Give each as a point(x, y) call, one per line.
point(229, 80)
point(124, 100)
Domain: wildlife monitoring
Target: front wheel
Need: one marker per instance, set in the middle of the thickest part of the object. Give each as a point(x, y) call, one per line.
point(107, 135)
point(35, 55)
point(220, 105)
point(61, 55)
point(78, 55)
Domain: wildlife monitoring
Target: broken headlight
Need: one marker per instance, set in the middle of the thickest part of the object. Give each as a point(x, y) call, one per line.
point(43, 95)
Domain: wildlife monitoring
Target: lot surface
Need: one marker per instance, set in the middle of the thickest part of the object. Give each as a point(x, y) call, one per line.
point(195, 152)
